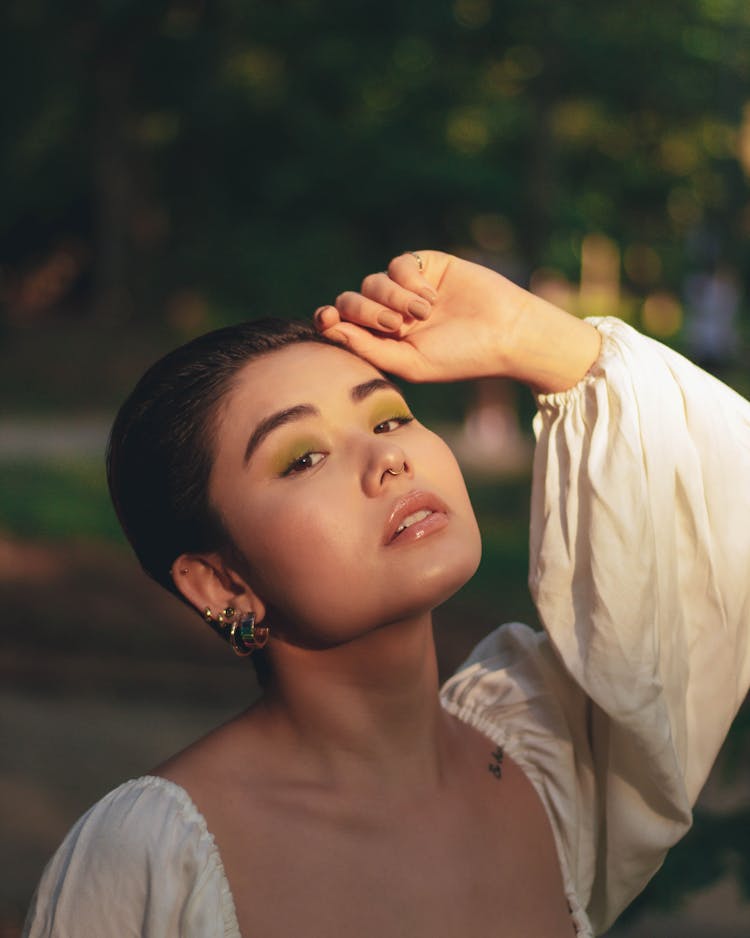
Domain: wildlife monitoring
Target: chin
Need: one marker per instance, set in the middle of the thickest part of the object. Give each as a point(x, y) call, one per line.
point(437, 584)
point(450, 585)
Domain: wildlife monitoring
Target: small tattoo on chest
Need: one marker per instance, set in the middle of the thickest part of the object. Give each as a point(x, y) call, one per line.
point(496, 766)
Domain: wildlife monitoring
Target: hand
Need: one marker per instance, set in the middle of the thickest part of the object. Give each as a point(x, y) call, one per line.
point(457, 320)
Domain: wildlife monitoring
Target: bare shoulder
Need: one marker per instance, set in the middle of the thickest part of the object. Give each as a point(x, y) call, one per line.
point(234, 753)
point(497, 781)
point(513, 832)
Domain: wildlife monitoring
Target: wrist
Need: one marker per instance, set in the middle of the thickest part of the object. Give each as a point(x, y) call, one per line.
point(548, 349)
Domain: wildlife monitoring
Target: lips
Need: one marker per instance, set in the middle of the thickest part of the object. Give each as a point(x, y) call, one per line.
point(414, 512)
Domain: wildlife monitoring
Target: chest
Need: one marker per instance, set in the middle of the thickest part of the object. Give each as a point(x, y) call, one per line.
point(479, 860)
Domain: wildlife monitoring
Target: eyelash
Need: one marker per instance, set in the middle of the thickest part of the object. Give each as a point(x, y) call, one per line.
point(296, 466)
point(400, 420)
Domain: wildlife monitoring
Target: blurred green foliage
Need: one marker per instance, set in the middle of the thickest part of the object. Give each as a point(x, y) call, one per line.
point(201, 161)
point(57, 501)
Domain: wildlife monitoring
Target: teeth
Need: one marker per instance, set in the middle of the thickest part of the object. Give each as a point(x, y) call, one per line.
point(411, 519)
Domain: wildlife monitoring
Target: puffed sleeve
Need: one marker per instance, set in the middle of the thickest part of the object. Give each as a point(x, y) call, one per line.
point(640, 570)
point(139, 863)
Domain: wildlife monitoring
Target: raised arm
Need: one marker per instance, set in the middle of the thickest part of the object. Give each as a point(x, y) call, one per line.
point(454, 320)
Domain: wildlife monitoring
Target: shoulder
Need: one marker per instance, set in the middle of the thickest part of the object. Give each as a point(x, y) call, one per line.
point(141, 818)
point(139, 862)
point(516, 691)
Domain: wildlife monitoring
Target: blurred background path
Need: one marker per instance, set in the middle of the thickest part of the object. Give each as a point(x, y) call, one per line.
point(52, 438)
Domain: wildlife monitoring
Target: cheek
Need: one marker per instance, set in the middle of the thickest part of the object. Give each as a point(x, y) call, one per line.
point(296, 548)
point(437, 462)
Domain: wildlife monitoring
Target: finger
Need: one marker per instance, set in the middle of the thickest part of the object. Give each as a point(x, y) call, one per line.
point(381, 289)
point(391, 355)
point(405, 270)
point(353, 307)
point(325, 317)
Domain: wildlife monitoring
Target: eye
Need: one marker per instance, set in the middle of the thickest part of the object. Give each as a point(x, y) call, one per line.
point(393, 423)
point(302, 463)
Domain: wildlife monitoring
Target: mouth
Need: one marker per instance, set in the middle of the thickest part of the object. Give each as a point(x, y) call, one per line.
point(414, 516)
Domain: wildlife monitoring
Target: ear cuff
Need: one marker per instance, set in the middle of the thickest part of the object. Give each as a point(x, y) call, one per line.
point(240, 630)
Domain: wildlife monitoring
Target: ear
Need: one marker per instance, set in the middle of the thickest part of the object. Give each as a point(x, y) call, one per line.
point(207, 580)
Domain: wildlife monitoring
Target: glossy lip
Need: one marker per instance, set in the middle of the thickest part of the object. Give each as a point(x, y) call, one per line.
point(407, 505)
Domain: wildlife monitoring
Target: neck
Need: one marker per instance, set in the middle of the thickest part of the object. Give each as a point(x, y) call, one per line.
point(364, 711)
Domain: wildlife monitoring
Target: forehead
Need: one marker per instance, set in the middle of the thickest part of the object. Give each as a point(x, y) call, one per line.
point(307, 372)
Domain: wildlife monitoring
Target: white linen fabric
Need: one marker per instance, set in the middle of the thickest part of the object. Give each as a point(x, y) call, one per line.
point(640, 563)
point(139, 864)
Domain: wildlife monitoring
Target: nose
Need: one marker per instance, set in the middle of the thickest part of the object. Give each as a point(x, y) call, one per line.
point(386, 461)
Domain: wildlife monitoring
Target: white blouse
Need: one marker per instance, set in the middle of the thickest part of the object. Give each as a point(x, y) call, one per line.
point(640, 569)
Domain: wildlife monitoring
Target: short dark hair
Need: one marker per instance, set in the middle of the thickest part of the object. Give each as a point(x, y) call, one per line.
point(161, 447)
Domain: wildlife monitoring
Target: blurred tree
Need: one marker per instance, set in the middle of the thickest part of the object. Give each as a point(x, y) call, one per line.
point(248, 157)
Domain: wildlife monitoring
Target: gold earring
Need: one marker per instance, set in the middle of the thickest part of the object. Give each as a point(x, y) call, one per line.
point(243, 635)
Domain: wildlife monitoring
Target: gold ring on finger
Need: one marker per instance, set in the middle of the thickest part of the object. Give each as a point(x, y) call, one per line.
point(420, 261)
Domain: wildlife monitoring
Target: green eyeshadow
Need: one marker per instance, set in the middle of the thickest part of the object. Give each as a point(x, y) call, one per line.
point(286, 456)
point(388, 409)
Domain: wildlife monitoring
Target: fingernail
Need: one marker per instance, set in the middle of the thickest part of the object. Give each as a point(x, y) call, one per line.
point(419, 308)
point(318, 314)
point(389, 320)
point(429, 294)
point(338, 337)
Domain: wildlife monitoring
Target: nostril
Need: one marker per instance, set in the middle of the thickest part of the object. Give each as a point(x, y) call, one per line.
point(386, 460)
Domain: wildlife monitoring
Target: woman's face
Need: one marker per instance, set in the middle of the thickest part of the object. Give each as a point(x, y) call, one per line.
point(301, 479)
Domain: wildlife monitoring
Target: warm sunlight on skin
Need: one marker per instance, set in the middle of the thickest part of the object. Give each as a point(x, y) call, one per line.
point(310, 509)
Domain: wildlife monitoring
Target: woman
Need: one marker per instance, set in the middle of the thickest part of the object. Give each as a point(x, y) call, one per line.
point(280, 485)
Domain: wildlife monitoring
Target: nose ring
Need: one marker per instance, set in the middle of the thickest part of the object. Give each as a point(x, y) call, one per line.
point(393, 471)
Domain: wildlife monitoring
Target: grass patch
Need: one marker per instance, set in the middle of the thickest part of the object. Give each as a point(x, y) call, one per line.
point(57, 501)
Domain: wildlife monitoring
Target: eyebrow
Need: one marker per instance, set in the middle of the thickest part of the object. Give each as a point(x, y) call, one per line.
point(290, 414)
point(360, 391)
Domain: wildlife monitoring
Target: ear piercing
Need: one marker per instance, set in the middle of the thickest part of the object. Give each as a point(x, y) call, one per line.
point(240, 631)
